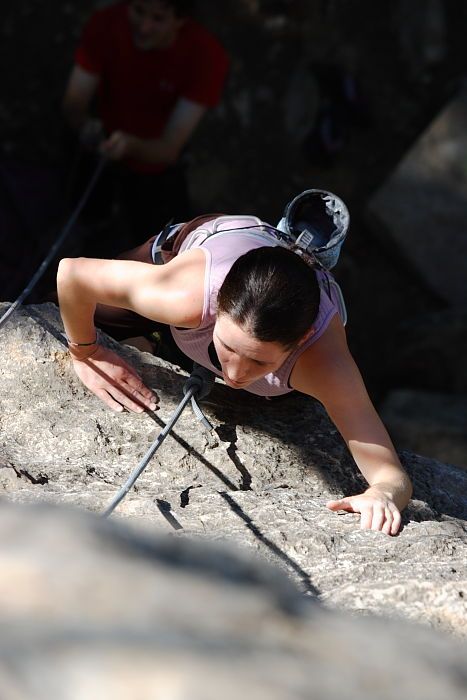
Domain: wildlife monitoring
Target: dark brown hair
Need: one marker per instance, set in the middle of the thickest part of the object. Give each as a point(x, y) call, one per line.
point(272, 293)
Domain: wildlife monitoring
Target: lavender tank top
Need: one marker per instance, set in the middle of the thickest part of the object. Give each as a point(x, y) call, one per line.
point(221, 251)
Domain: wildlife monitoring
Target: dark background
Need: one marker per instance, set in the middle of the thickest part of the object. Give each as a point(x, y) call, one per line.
point(247, 156)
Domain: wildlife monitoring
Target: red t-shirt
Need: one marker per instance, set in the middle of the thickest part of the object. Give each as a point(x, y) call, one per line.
point(139, 89)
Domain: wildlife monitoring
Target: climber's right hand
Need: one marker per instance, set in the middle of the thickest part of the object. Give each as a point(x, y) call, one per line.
point(114, 381)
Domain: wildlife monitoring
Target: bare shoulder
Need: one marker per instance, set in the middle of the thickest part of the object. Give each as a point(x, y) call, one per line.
point(173, 293)
point(184, 273)
point(327, 366)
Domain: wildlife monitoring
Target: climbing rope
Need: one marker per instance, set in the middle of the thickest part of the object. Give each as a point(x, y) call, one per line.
point(197, 386)
point(56, 245)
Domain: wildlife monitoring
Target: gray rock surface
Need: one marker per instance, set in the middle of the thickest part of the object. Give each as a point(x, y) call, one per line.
point(260, 479)
point(431, 422)
point(420, 209)
point(429, 352)
point(90, 608)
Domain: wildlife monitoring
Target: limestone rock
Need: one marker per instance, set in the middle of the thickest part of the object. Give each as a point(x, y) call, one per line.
point(420, 209)
point(429, 352)
point(261, 479)
point(428, 422)
point(92, 609)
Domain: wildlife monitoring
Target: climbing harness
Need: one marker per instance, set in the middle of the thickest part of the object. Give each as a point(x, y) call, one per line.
point(58, 242)
point(314, 223)
point(197, 387)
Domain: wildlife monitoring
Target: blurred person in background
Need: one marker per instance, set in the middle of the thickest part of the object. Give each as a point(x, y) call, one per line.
point(145, 73)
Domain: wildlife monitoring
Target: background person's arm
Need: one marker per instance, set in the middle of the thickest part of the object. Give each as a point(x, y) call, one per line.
point(79, 92)
point(328, 372)
point(165, 149)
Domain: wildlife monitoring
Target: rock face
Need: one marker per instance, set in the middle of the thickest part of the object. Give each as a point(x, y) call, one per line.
point(261, 478)
point(420, 213)
point(260, 146)
point(90, 608)
point(427, 420)
point(430, 352)
point(421, 208)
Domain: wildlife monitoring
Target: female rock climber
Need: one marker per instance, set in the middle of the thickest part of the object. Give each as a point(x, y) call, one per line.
point(252, 310)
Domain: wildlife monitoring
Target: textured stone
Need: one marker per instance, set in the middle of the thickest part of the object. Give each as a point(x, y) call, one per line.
point(429, 352)
point(260, 479)
point(421, 207)
point(90, 608)
point(428, 422)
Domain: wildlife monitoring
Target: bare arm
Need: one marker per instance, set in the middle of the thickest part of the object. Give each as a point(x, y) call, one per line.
point(171, 294)
point(166, 149)
point(328, 372)
point(80, 90)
